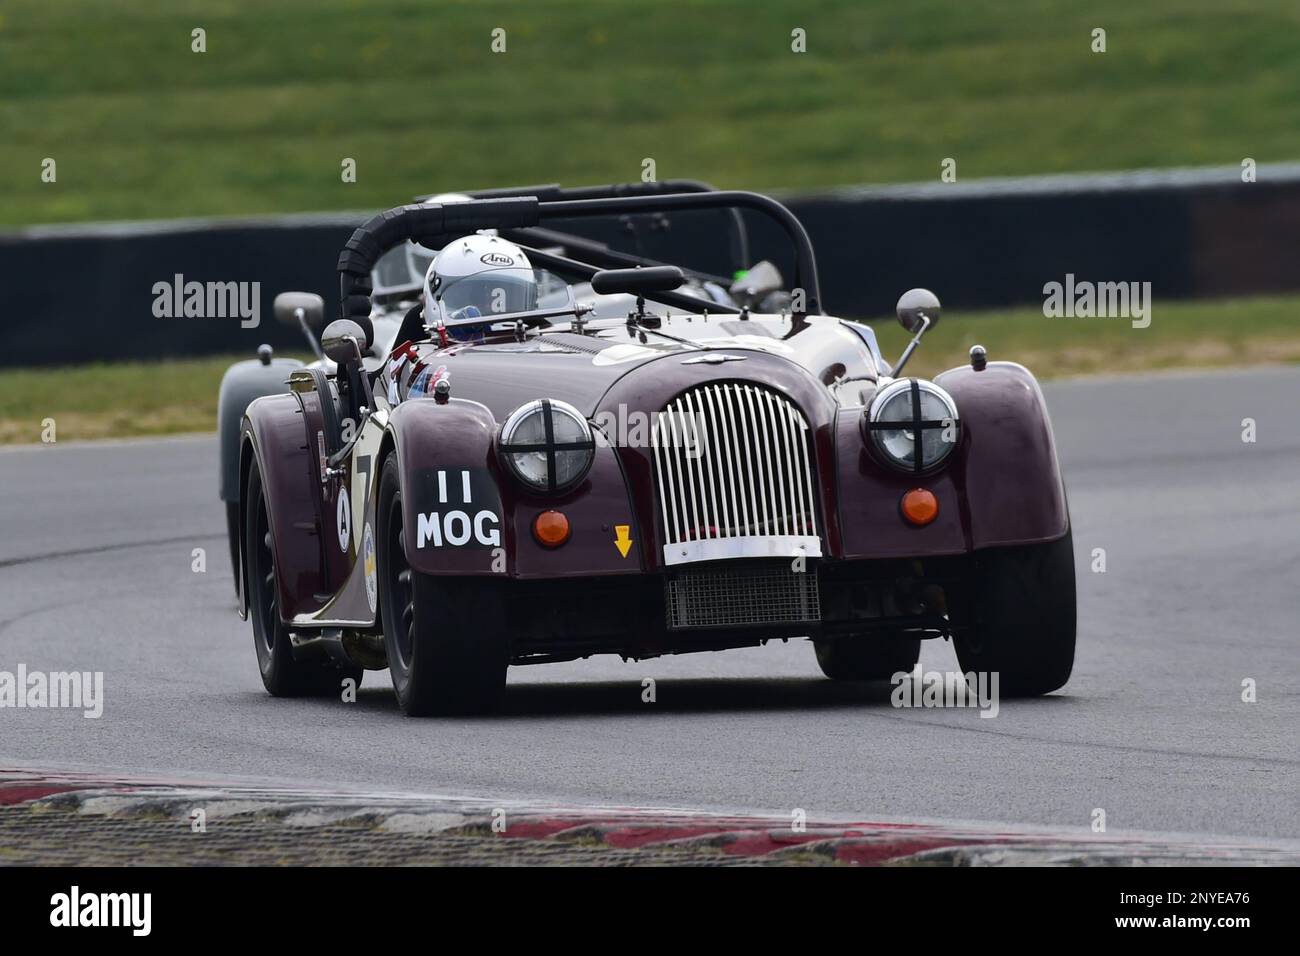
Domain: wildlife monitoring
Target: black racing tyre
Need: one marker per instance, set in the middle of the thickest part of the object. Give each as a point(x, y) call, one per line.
point(447, 641)
point(281, 673)
point(871, 656)
point(1023, 617)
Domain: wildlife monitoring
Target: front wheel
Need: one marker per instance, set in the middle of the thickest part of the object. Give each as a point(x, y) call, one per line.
point(447, 641)
point(1022, 617)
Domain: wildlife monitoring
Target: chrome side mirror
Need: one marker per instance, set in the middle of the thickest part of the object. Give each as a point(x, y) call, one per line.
point(292, 308)
point(918, 312)
point(305, 310)
point(915, 306)
point(341, 342)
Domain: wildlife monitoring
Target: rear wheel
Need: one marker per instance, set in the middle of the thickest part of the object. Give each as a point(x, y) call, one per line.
point(281, 673)
point(447, 641)
point(1023, 617)
point(867, 656)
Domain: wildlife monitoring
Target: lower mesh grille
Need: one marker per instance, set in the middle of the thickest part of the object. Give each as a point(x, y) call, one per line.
point(732, 597)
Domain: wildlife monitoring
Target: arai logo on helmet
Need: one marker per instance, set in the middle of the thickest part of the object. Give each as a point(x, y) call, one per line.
point(496, 259)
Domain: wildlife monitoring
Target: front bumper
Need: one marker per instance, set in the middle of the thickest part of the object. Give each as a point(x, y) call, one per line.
point(719, 605)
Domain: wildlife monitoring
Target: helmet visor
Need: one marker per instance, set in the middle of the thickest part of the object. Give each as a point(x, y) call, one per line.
point(494, 292)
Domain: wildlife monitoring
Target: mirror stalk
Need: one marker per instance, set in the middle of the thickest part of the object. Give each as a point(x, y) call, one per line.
point(365, 379)
point(911, 346)
point(918, 310)
point(301, 315)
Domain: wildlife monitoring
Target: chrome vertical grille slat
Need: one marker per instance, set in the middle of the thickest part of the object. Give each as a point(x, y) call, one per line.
point(796, 479)
point(759, 453)
point(715, 450)
point(682, 497)
point(735, 460)
point(767, 409)
point(747, 433)
point(664, 471)
point(679, 432)
point(708, 498)
point(729, 396)
point(789, 471)
point(792, 504)
point(806, 475)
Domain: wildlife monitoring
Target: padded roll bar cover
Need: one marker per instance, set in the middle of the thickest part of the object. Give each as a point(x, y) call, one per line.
point(382, 232)
point(512, 212)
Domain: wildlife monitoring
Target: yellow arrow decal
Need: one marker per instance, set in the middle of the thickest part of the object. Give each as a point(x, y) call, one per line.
point(622, 541)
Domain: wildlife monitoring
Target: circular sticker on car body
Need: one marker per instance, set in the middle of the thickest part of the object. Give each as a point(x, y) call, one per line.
point(368, 560)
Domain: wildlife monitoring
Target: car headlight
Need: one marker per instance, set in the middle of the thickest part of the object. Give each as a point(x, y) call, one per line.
point(913, 424)
point(547, 444)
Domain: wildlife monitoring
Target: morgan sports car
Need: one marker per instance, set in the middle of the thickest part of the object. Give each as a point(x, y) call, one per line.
point(541, 480)
point(397, 281)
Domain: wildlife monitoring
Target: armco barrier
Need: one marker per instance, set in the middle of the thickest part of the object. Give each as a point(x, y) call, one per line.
point(86, 292)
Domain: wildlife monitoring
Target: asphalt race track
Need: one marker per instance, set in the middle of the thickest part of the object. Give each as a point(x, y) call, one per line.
point(1201, 533)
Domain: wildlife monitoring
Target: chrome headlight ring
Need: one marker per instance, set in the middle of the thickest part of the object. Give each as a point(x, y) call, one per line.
point(913, 425)
point(547, 445)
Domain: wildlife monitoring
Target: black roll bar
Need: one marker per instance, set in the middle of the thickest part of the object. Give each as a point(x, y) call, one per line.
point(554, 192)
point(682, 300)
point(435, 225)
point(805, 277)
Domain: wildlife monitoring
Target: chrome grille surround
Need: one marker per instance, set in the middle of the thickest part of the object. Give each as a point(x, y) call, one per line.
point(729, 596)
point(734, 475)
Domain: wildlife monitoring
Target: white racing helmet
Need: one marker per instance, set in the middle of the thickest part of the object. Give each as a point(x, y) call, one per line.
point(478, 276)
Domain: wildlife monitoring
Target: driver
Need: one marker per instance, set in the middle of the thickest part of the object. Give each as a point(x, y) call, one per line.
point(469, 282)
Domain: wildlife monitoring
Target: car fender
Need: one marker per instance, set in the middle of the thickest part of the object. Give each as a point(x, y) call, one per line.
point(1009, 468)
point(274, 433)
point(464, 515)
point(1001, 486)
point(243, 382)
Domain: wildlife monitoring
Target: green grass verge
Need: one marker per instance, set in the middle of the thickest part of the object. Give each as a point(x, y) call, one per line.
point(1254, 331)
point(140, 126)
point(112, 400)
point(158, 398)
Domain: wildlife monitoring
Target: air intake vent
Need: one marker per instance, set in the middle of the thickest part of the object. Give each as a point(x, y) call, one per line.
point(739, 596)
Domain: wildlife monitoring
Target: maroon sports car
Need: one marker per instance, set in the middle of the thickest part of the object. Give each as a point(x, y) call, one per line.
point(644, 460)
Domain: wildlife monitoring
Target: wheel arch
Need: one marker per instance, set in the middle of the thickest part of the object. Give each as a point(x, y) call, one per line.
point(429, 438)
point(242, 384)
point(274, 434)
point(1011, 473)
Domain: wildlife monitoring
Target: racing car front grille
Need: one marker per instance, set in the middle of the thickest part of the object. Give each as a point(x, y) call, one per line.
point(735, 597)
point(732, 460)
